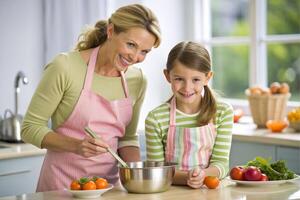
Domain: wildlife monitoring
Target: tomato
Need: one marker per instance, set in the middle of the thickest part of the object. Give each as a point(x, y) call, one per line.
point(211, 182)
point(264, 177)
point(101, 183)
point(237, 114)
point(237, 173)
point(90, 185)
point(75, 185)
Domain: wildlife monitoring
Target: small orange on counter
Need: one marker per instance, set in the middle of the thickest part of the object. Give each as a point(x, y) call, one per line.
point(276, 126)
point(211, 182)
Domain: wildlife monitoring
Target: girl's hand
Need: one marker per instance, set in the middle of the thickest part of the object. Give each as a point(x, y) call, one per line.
point(89, 147)
point(195, 178)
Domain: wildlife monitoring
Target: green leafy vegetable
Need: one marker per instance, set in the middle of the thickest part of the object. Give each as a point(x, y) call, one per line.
point(274, 171)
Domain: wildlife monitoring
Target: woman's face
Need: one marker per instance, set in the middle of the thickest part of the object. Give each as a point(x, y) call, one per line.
point(130, 47)
point(187, 85)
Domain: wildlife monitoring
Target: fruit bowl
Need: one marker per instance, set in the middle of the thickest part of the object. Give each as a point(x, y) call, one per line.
point(295, 126)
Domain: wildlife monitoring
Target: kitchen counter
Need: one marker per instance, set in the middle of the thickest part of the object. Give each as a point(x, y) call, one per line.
point(227, 190)
point(249, 133)
point(19, 150)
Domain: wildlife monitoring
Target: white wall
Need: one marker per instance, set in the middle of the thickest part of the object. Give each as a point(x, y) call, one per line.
point(22, 40)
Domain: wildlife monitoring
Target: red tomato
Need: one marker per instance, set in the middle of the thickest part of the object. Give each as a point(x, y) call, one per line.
point(237, 114)
point(237, 173)
point(264, 177)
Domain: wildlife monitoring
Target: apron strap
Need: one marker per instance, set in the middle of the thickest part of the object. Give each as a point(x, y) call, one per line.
point(125, 87)
point(173, 112)
point(91, 68)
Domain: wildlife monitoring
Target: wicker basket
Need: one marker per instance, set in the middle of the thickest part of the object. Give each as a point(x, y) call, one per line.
point(267, 107)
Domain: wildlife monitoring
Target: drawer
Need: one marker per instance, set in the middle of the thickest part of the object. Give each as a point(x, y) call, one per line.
point(20, 175)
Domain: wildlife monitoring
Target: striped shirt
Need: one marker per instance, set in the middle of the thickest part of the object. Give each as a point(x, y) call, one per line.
point(157, 125)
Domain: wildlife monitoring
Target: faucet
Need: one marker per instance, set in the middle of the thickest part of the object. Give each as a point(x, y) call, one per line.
point(20, 76)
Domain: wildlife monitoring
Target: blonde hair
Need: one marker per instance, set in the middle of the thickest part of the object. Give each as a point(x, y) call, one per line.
point(195, 56)
point(123, 19)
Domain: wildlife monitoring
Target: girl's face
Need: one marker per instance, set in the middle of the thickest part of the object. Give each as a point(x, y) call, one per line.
point(129, 47)
point(187, 85)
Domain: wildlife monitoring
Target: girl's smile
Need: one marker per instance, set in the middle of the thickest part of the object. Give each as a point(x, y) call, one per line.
point(187, 85)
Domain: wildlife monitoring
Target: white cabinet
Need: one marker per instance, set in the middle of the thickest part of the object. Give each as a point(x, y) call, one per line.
point(291, 156)
point(19, 175)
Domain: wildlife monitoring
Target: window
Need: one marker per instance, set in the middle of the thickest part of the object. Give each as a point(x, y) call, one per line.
point(252, 42)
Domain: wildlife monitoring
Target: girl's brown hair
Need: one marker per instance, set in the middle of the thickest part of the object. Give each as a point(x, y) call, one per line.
point(123, 19)
point(195, 56)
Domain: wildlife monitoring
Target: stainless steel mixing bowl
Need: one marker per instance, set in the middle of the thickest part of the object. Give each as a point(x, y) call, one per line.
point(147, 177)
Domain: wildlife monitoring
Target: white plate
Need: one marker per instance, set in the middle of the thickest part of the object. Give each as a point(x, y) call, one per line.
point(263, 183)
point(90, 193)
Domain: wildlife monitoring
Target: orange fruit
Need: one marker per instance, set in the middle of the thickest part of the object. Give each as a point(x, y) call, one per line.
point(211, 182)
point(75, 185)
point(90, 185)
point(101, 183)
point(276, 125)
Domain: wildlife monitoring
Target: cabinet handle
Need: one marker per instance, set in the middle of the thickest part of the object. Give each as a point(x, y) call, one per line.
point(15, 172)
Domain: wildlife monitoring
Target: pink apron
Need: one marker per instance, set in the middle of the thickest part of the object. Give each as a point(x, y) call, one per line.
point(107, 118)
point(189, 147)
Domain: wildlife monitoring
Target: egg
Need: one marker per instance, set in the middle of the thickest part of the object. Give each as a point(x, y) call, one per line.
point(255, 90)
point(275, 88)
point(284, 88)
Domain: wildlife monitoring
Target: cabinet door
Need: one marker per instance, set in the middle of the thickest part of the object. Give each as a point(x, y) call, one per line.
point(19, 175)
point(142, 140)
point(242, 152)
point(291, 156)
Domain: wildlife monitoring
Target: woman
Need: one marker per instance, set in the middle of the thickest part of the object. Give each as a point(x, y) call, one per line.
point(93, 86)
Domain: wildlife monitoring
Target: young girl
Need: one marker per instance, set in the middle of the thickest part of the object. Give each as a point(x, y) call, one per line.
point(192, 128)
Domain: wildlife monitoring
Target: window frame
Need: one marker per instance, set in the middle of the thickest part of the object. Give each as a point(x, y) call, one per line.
point(257, 42)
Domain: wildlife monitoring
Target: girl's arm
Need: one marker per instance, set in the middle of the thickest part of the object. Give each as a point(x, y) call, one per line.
point(221, 149)
point(154, 139)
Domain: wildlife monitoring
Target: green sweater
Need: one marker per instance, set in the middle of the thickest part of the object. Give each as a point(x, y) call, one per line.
point(59, 91)
point(157, 125)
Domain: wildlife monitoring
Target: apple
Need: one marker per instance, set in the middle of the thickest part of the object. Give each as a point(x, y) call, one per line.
point(252, 174)
point(237, 173)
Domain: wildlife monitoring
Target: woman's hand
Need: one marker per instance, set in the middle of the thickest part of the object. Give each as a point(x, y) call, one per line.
point(195, 178)
point(89, 147)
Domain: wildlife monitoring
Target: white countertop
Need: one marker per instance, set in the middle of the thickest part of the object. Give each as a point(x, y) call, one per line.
point(227, 190)
point(249, 133)
point(19, 150)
